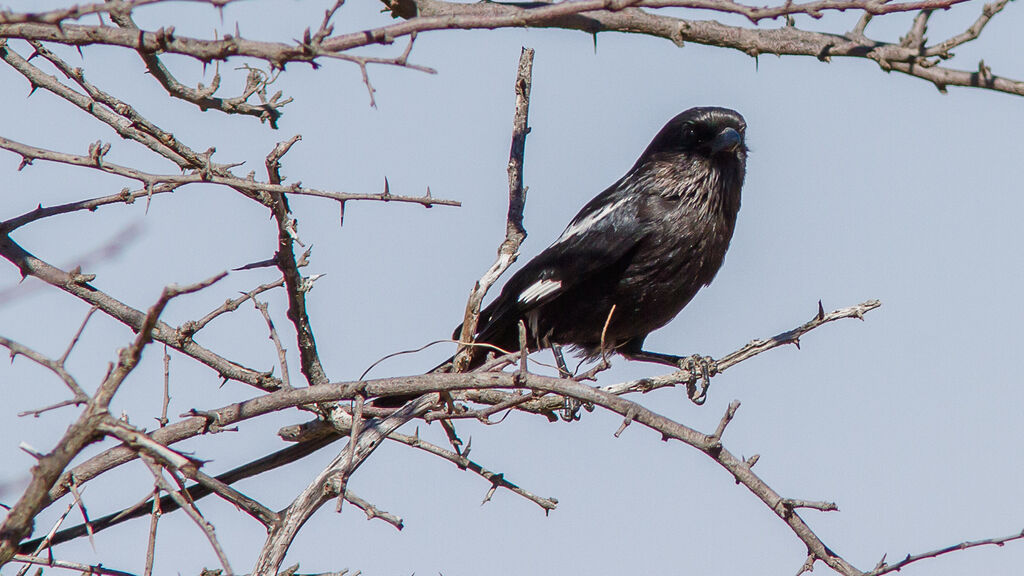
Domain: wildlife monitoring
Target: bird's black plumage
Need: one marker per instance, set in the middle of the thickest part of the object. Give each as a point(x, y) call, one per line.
point(646, 245)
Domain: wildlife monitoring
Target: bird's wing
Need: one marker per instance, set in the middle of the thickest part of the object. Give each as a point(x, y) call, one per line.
point(596, 240)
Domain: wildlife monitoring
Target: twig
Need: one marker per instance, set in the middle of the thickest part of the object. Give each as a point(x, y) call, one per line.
point(464, 463)
point(19, 520)
point(515, 233)
point(85, 514)
point(229, 306)
point(57, 367)
point(626, 421)
point(372, 511)
point(355, 430)
point(884, 568)
point(792, 503)
point(76, 283)
point(295, 285)
point(113, 112)
point(248, 505)
point(972, 32)
point(83, 568)
point(151, 541)
point(74, 339)
point(81, 433)
point(79, 11)
point(321, 489)
point(483, 414)
point(202, 97)
point(142, 442)
point(163, 183)
point(730, 412)
point(47, 541)
point(793, 336)
point(189, 509)
point(176, 462)
point(193, 493)
point(282, 354)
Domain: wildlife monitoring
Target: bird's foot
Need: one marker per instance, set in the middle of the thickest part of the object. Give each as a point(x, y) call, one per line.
point(701, 369)
point(570, 411)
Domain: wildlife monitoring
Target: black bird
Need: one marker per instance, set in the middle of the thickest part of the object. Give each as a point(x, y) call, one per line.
point(645, 245)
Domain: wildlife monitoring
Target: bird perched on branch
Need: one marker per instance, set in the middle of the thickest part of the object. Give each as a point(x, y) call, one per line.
point(645, 245)
point(636, 254)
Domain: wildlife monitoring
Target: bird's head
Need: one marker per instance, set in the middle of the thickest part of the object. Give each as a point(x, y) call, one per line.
point(710, 133)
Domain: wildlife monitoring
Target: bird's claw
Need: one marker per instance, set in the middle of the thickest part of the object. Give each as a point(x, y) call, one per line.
point(701, 369)
point(570, 411)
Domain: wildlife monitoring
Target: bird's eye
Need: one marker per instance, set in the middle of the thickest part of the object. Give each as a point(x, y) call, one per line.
point(688, 134)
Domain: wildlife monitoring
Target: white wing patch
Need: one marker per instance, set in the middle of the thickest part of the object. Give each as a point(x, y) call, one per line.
point(588, 222)
point(538, 290)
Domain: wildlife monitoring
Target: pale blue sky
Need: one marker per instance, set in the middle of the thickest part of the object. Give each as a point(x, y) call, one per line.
point(860, 185)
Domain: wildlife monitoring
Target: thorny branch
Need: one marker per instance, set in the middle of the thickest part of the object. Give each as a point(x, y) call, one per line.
point(18, 523)
point(202, 96)
point(329, 483)
point(190, 509)
point(464, 463)
point(295, 284)
point(418, 385)
point(590, 16)
point(163, 183)
point(884, 568)
point(193, 493)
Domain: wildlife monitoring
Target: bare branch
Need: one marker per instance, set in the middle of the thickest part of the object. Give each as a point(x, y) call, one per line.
point(78, 11)
point(151, 545)
point(18, 523)
point(323, 488)
point(257, 82)
point(282, 354)
point(372, 511)
point(163, 183)
point(884, 568)
point(792, 503)
point(167, 389)
point(793, 336)
point(229, 306)
point(189, 509)
point(55, 366)
point(194, 493)
point(515, 233)
point(74, 339)
point(590, 16)
point(77, 285)
point(83, 568)
point(464, 463)
point(122, 123)
point(295, 285)
point(755, 347)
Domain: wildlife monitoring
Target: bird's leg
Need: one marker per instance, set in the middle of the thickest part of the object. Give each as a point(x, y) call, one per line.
point(563, 368)
point(570, 406)
point(701, 368)
point(654, 357)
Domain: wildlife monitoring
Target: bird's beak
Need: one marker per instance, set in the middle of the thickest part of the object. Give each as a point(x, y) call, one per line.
point(727, 140)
